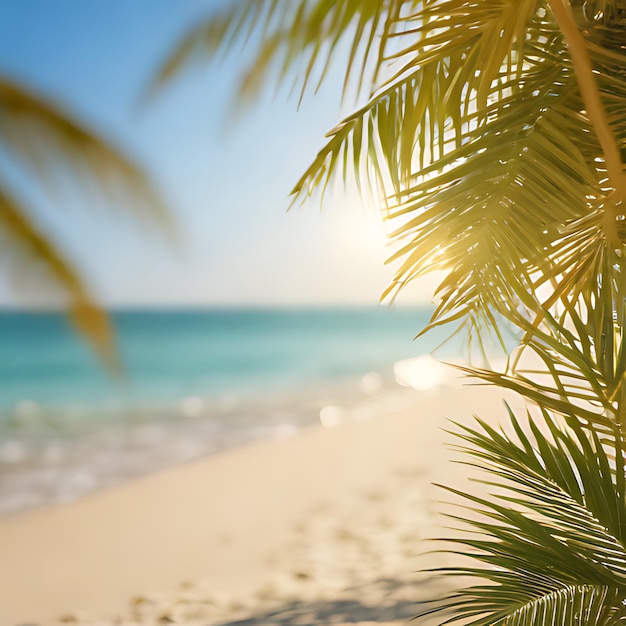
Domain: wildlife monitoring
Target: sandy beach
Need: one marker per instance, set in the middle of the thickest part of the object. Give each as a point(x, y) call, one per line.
point(328, 527)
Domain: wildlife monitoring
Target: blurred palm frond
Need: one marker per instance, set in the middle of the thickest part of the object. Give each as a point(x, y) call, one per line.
point(58, 153)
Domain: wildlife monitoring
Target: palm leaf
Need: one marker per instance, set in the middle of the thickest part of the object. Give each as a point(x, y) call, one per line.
point(52, 146)
point(55, 150)
point(548, 544)
point(294, 33)
point(27, 251)
point(579, 347)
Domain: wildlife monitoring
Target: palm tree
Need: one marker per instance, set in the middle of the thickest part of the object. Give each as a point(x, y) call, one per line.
point(493, 132)
point(48, 144)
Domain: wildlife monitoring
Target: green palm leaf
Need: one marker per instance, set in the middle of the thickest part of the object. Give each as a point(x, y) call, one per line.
point(548, 544)
point(585, 605)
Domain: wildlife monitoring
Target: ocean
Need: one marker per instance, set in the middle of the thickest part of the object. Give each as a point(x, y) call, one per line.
point(194, 383)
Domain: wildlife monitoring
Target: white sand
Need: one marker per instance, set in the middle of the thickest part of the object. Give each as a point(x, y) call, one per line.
point(326, 524)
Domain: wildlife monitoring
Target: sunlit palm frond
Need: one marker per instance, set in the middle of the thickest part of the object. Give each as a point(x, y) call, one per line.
point(524, 203)
point(512, 195)
point(572, 358)
point(442, 78)
point(475, 129)
point(28, 252)
point(548, 545)
point(492, 213)
point(602, 23)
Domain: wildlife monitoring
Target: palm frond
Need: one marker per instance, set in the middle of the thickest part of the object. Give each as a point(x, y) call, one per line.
point(53, 146)
point(587, 605)
point(548, 544)
point(572, 354)
point(291, 34)
point(60, 154)
point(27, 251)
point(410, 121)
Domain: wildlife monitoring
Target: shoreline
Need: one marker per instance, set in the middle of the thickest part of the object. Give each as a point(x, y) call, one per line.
point(45, 463)
point(231, 526)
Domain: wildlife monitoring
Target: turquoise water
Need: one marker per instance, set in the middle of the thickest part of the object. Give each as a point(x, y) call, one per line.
point(171, 355)
point(195, 383)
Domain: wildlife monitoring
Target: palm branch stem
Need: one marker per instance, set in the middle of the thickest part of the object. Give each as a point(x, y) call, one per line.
point(596, 112)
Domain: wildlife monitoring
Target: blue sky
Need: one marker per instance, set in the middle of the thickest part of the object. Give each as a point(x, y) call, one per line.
point(227, 184)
